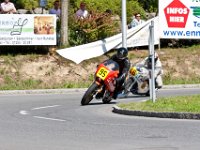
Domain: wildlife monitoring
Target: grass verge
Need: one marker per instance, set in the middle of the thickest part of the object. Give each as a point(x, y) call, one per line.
point(37, 71)
point(190, 104)
point(171, 81)
point(30, 84)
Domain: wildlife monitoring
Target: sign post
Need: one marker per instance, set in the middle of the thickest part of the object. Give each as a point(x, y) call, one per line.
point(152, 54)
point(124, 21)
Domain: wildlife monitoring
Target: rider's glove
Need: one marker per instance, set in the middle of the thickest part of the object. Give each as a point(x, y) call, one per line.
point(118, 80)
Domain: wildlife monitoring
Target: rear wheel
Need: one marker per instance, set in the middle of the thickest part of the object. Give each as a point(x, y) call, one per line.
point(106, 100)
point(89, 94)
point(107, 97)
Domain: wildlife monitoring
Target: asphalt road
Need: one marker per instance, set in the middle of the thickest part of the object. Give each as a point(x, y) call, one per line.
point(58, 122)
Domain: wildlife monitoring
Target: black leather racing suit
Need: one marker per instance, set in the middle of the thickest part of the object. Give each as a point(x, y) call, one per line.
point(124, 66)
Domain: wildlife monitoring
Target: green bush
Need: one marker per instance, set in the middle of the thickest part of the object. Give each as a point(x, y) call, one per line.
point(30, 4)
point(97, 26)
point(27, 4)
point(100, 26)
point(150, 5)
point(115, 5)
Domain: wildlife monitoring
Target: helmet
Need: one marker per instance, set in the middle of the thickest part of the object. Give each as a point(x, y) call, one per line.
point(122, 53)
point(155, 58)
point(149, 61)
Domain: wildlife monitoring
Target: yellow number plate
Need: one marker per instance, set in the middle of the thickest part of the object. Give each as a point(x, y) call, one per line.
point(102, 73)
point(133, 71)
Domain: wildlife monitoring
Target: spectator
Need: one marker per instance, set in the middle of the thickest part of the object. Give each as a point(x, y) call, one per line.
point(82, 12)
point(56, 10)
point(7, 7)
point(115, 19)
point(136, 20)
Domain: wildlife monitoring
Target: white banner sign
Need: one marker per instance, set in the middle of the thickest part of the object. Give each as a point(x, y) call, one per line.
point(179, 19)
point(21, 29)
point(138, 36)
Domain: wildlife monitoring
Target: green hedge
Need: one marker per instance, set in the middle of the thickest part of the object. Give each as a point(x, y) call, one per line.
point(100, 27)
point(133, 6)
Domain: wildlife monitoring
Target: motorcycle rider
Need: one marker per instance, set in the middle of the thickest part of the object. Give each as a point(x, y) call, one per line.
point(147, 63)
point(124, 66)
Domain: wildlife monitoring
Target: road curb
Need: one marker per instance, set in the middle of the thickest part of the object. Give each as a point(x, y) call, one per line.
point(64, 91)
point(181, 86)
point(119, 110)
point(42, 91)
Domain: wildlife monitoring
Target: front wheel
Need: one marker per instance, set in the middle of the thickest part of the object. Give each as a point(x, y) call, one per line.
point(128, 85)
point(147, 94)
point(88, 96)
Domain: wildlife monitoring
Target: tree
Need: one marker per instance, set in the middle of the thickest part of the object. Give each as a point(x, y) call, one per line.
point(149, 5)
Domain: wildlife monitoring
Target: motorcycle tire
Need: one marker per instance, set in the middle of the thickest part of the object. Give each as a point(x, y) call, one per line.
point(147, 94)
point(107, 97)
point(88, 96)
point(106, 100)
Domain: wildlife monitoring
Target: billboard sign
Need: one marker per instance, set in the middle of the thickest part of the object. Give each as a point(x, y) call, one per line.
point(179, 19)
point(19, 29)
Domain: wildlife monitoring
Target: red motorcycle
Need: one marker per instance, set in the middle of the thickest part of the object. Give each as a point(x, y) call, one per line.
point(105, 77)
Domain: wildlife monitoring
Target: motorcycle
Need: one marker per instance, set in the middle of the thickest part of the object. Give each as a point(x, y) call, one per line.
point(137, 82)
point(104, 81)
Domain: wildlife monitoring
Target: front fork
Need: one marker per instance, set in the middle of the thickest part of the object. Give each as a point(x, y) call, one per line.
point(133, 81)
point(99, 82)
point(103, 88)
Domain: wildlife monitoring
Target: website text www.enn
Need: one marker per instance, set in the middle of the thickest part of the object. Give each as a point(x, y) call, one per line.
point(182, 33)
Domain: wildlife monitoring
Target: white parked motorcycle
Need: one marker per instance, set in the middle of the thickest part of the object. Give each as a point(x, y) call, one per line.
point(137, 82)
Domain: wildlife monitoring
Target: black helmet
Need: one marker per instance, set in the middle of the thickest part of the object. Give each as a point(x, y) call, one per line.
point(122, 53)
point(149, 61)
point(155, 58)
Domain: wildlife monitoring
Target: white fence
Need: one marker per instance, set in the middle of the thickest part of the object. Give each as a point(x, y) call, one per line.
point(138, 36)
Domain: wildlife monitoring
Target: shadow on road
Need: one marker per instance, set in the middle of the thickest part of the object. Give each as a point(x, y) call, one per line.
point(101, 103)
point(132, 96)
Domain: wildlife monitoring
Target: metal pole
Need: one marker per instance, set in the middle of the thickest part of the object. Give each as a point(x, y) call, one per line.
point(152, 53)
point(124, 22)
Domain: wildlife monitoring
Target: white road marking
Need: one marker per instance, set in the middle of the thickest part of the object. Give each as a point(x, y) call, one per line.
point(53, 119)
point(37, 108)
point(23, 112)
